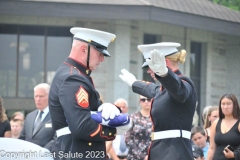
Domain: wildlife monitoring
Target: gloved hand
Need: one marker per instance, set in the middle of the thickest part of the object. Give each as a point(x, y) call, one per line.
point(108, 110)
point(157, 63)
point(122, 129)
point(127, 77)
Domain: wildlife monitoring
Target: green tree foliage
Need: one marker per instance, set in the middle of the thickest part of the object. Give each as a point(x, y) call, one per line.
point(233, 4)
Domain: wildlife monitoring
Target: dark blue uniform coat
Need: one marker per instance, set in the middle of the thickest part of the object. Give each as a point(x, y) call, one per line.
point(72, 96)
point(172, 108)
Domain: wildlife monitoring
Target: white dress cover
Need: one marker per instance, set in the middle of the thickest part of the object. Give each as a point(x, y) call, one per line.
point(11, 148)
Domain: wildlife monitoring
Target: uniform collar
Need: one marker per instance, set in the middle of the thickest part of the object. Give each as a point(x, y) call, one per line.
point(177, 72)
point(79, 66)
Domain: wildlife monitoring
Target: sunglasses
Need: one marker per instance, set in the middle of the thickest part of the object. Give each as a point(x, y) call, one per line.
point(144, 99)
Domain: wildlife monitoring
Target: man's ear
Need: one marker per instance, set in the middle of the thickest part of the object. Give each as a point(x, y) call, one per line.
point(83, 48)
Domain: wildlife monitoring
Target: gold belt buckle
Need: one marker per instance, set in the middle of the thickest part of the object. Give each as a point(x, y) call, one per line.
point(152, 136)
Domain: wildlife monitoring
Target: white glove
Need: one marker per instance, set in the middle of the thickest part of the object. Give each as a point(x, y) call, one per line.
point(127, 77)
point(157, 63)
point(122, 129)
point(109, 110)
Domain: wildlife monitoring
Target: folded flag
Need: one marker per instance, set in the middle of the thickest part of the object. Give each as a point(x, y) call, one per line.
point(120, 120)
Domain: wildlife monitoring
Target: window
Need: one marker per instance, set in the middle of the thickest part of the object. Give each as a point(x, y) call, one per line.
point(31, 64)
point(8, 64)
point(56, 47)
point(195, 68)
point(30, 55)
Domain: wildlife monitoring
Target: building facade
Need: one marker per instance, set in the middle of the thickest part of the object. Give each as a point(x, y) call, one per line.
point(35, 39)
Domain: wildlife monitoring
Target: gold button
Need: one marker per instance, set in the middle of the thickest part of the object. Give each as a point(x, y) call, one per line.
point(89, 143)
point(110, 134)
point(114, 135)
point(102, 132)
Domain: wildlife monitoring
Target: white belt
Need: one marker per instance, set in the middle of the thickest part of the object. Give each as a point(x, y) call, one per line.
point(63, 131)
point(170, 134)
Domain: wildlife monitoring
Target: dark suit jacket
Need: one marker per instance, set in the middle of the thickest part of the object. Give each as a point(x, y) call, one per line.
point(44, 136)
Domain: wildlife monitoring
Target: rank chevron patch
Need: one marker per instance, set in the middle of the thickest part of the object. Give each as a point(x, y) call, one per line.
point(82, 97)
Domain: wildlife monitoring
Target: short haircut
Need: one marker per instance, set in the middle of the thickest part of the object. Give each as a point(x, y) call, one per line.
point(17, 114)
point(17, 121)
point(42, 86)
point(121, 100)
point(197, 129)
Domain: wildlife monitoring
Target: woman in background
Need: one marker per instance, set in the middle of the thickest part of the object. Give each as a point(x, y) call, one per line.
point(5, 128)
point(225, 130)
point(204, 114)
point(138, 138)
point(212, 115)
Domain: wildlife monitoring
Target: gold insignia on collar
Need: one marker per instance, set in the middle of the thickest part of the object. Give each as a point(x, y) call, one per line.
point(87, 71)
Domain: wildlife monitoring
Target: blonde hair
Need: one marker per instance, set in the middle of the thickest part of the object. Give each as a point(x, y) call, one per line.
point(20, 122)
point(204, 114)
point(17, 114)
point(178, 57)
point(3, 116)
point(210, 110)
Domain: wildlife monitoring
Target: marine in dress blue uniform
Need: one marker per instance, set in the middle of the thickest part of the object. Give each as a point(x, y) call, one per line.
point(73, 96)
point(173, 104)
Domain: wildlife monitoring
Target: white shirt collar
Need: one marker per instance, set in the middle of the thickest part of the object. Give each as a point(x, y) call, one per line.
point(45, 112)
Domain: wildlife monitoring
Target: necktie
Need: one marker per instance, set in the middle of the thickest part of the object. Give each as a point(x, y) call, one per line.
point(122, 144)
point(38, 122)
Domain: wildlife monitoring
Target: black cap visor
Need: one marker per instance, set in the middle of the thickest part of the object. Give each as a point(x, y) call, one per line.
point(97, 46)
point(145, 65)
point(103, 51)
